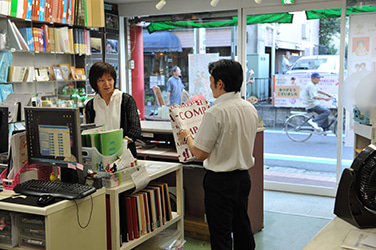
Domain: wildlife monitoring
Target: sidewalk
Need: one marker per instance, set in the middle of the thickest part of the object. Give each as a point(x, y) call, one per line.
point(301, 177)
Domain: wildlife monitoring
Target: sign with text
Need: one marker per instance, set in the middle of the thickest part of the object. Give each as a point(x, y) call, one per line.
point(288, 90)
point(186, 116)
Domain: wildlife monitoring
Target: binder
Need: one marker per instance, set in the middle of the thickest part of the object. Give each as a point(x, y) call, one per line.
point(128, 208)
point(111, 141)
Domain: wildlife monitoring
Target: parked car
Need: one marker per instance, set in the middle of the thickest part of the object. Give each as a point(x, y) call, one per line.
point(324, 64)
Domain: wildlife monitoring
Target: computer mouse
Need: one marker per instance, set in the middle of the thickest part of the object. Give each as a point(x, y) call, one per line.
point(44, 200)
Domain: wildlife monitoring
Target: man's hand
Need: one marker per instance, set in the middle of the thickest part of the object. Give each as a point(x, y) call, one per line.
point(182, 134)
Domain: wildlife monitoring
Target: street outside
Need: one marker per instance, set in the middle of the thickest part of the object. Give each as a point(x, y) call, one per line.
point(315, 157)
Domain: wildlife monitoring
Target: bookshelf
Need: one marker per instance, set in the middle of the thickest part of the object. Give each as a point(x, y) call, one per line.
point(48, 46)
point(156, 170)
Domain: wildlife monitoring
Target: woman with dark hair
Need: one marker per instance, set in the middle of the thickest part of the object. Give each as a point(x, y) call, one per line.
point(110, 106)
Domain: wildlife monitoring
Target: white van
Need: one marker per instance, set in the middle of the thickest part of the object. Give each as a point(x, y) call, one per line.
point(324, 64)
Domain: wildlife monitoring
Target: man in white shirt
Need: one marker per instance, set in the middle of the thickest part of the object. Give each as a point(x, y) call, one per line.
point(311, 101)
point(285, 62)
point(225, 141)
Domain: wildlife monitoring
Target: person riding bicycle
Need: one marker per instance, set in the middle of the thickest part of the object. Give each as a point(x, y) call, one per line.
point(312, 104)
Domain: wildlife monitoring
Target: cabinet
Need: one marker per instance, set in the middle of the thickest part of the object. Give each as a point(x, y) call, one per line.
point(156, 170)
point(62, 229)
point(364, 135)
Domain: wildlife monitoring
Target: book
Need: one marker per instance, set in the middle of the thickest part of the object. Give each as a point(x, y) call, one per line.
point(13, 8)
point(41, 10)
point(152, 209)
point(64, 39)
point(138, 213)
point(123, 218)
point(111, 141)
point(142, 213)
point(27, 34)
point(146, 211)
point(80, 74)
point(28, 9)
point(128, 208)
point(5, 7)
point(65, 70)
point(158, 204)
point(163, 198)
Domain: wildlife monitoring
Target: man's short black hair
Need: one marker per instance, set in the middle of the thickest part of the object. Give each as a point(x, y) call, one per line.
point(174, 68)
point(229, 71)
point(97, 71)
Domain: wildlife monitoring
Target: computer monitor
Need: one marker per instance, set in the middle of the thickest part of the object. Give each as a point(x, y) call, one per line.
point(53, 136)
point(4, 129)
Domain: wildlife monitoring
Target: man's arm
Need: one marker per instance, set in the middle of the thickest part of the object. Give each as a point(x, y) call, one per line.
point(200, 155)
point(168, 98)
point(326, 98)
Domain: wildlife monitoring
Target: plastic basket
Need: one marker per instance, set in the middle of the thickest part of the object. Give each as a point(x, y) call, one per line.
point(44, 173)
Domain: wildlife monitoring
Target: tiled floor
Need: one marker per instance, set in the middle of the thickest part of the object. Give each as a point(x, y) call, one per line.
point(290, 221)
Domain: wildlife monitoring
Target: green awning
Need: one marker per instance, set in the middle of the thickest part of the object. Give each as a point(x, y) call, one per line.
point(255, 19)
point(267, 18)
point(317, 14)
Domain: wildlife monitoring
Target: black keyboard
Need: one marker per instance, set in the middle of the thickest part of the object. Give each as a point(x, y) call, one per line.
point(56, 189)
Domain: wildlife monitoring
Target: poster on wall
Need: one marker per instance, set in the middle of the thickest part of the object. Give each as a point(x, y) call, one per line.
point(288, 90)
point(199, 82)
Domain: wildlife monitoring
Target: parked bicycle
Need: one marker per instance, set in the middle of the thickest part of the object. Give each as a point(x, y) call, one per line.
point(298, 128)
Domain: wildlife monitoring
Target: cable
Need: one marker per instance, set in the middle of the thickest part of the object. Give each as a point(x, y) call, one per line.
point(91, 212)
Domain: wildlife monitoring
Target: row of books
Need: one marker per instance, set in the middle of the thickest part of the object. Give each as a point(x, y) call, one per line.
point(50, 39)
point(71, 12)
point(61, 72)
point(144, 211)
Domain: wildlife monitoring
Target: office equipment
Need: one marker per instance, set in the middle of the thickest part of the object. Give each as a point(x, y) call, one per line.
point(53, 136)
point(60, 224)
point(355, 201)
point(54, 188)
point(4, 130)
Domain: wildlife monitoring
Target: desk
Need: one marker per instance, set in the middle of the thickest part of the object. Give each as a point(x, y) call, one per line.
point(62, 230)
point(194, 224)
point(332, 235)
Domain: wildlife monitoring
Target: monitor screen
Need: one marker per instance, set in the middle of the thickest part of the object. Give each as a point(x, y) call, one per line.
point(53, 136)
point(4, 130)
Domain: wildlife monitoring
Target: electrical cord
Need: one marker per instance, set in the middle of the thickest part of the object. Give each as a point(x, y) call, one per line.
point(91, 212)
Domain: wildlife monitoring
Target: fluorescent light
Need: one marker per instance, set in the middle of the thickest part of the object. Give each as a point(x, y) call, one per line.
point(214, 3)
point(160, 5)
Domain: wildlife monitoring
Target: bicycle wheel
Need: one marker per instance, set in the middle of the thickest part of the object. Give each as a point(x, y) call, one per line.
point(297, 128)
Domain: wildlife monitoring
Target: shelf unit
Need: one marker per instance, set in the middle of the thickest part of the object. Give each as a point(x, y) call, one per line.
point(39, 59)
point(364, 135)
point(60, 220)
point(156, 170)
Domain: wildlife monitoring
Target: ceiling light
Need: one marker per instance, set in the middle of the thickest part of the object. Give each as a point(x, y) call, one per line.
point(258, 1)
point(214, 3)
point(160, 5)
